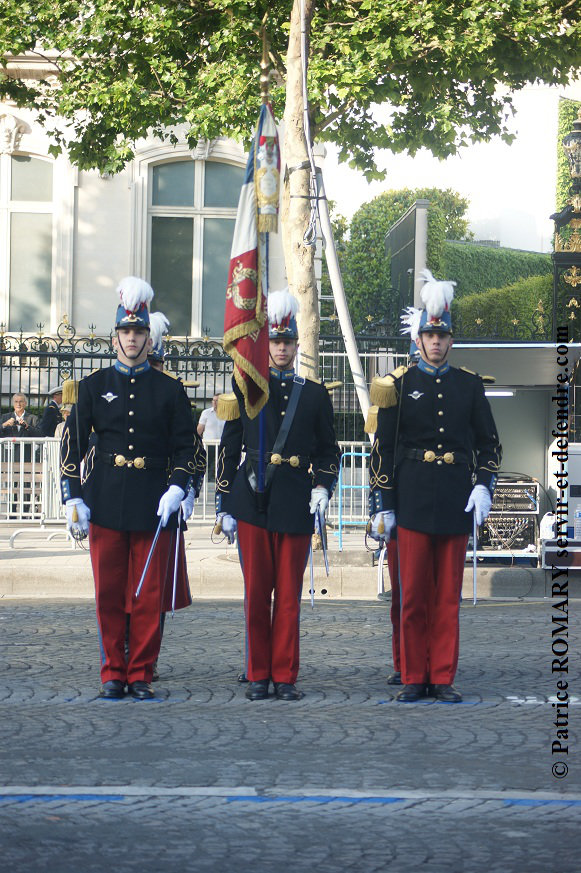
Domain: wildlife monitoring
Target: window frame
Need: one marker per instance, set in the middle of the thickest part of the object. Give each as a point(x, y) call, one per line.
point(61, 207)
point(219, 151)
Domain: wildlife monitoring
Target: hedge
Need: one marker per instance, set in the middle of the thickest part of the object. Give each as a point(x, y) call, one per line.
point(478, 268)
point(519, 311)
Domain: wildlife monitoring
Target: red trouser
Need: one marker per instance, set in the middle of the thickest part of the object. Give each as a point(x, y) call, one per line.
point(272, 562)
point(118, 559)
point(393, 565)
point(431, 568)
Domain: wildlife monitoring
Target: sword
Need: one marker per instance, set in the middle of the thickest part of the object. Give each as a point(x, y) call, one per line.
point(382, 554)
point(312, 578)
point(474, 535)
point(320, 528)
point(149, 557)
point(175, 566)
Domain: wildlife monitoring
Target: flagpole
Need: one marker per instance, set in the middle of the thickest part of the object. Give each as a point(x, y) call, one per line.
point(265, 96)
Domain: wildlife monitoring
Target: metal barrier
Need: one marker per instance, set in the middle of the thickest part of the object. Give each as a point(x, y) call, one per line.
point(29, 481)
point(30, 484)
point(352, 489)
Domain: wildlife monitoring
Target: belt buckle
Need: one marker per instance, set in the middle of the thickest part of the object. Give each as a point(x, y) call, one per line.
point(139, 463)
point(449, 458)
point(120, 460)
point(294, 461)
point(276, 459)
point(429, 456)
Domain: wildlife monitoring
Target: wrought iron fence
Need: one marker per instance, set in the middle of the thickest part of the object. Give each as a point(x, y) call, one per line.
point(35, 363)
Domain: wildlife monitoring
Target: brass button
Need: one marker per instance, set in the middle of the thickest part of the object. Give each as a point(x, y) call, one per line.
point(132, 381)
point(132, 430)
point(439, 462)
point(130, 448)
point(131, 412)
point(132, 396)
point(440, 396)
point(283, 412)
point(440, 446)
point(283, 384)
point(286, 396)
point(440, 412)
point(441, 429)
point(438, 381)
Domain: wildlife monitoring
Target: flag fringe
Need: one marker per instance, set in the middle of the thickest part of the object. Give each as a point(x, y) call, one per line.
point(267, 223)
point(252, 409)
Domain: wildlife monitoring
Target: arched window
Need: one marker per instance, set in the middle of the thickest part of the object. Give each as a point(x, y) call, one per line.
point(26, 240)
point(191, 211)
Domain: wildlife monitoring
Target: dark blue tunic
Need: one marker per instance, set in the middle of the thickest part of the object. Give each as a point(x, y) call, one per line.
point(136, 413)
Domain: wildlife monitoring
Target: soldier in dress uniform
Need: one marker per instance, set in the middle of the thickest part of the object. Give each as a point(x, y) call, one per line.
point(275, 527)
point(434, 461)
point(141, 462)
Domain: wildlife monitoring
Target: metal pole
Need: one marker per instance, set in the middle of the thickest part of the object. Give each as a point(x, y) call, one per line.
point(340, 300)
point(474, 557)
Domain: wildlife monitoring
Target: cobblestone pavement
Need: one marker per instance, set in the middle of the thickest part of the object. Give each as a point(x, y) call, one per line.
point(344, 780)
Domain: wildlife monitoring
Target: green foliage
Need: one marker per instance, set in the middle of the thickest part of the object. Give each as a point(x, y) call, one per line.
point(126, 67)
point(436, 239)
point(364, 263)
point(516, 311)
point(568, 110)
point(478, 268)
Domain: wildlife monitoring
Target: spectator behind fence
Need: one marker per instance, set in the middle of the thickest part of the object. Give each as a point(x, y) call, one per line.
point(65, 411)
point(209, 426)
point(19, 423)
point(52, 416)
point(69, 392)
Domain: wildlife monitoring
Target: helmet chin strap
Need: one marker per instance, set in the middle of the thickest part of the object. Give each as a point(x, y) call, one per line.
point(140, 350)
point(424, 353)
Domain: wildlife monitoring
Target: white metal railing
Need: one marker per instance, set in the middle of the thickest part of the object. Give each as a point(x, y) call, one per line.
point(348, 504)
point(30, 483)
point(29, 480)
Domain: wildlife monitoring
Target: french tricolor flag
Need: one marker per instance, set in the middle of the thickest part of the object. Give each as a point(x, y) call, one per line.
point(245, 315)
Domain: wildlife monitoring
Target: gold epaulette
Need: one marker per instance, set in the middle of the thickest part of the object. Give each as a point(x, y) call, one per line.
point(227, 408)
point(371, 420)
point(188, 384)
point(312, 379)
point(382, 392)
point(70, 391)
point(331, 386)
point(399, 371)
point(488, 380)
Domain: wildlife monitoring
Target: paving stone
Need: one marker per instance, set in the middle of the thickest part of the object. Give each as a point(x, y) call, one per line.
point(344, 779)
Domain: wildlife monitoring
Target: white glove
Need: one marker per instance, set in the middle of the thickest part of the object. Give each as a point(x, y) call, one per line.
point(228, 525)
point(480, 501)
point(382, 525)
point(188, 504)
point(170, 503)
point(319, 500)
point(80, 527)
